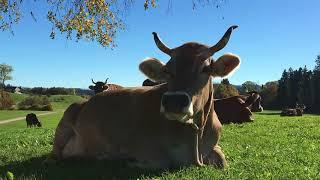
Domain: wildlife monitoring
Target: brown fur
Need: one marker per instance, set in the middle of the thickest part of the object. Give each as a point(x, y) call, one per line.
point(232, 110)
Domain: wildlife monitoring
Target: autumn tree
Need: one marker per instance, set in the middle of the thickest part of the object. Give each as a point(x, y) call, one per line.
point(269, 94)
point(94, 20)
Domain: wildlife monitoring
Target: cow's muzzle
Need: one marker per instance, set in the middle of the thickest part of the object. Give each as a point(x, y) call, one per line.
point(177, 106)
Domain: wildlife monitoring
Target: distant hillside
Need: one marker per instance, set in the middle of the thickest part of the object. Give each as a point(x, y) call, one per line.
point(59, 102)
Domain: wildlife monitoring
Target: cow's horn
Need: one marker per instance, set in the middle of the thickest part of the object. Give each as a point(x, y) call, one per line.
point(221, 44)
point(106, 81)
point(93, 81)
point(161, 45)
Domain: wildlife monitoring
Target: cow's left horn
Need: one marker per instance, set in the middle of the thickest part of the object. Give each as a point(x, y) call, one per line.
point(161, 45)
point(106, 81)
point(221, 44)
point(93, 81)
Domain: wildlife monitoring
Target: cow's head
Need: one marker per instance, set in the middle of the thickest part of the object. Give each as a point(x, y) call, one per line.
point(254, 101)
point(188, 75)
point(98, 86)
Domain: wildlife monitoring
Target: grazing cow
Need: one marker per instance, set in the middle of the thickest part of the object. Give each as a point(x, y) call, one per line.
point(253, 101)
point(100, 86)
point(149, 82)
point(170, 125)
point(298, 111)
point(32, 120)
point(232, 110)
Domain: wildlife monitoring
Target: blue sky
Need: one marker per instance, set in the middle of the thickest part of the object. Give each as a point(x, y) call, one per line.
point(272, 36)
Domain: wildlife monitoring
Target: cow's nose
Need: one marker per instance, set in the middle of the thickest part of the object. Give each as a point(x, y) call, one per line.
point(177, 102)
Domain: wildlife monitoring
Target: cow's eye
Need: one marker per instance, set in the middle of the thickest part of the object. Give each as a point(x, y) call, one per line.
point(166, 71)
point(206, 69)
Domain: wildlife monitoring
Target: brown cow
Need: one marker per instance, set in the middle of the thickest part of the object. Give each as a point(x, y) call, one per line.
point(232, 110)
point(253, 101)
point(100, 86)
point(169, 125)
point(298, 111)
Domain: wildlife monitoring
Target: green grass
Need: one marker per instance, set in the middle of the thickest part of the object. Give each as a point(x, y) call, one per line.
point(272, 147)
point(9, 114)
point(60, 102)
point(18, 97)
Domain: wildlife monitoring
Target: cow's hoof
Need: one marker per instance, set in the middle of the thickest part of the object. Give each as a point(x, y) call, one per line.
point(216, 158)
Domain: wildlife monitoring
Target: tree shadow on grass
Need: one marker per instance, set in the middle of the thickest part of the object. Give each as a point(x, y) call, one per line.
point(76, 169)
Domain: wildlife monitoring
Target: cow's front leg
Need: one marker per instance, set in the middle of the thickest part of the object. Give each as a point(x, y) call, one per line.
point(215, 157)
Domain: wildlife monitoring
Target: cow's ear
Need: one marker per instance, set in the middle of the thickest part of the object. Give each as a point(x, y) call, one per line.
point(153, 69)
point(225, 65)
point(91, 87)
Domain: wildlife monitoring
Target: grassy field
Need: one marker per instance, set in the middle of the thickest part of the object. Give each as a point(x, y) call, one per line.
point(59, 103)
point(9, 114)
point(272, 147)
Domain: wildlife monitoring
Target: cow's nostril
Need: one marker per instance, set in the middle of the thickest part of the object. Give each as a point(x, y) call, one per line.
point(175, 102)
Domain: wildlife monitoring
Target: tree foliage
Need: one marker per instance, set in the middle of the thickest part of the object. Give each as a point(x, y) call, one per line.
point(300, 86)
point(269, 94)
point(250, 86)
point(94, 20)
point(5, 73)
point(225, 89)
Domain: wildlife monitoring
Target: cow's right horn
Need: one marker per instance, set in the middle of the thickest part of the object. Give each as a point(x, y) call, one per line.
point(161, 45)
point(106, 81)
point(221, 44)
point(93, 81)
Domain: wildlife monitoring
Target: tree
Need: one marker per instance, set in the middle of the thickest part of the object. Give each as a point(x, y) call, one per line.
point(269, 94)
point(5, 73)
point(94, 20)
point(225, 89)
point(250, 86)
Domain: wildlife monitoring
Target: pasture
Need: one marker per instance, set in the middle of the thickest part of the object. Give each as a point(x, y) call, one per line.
point(272, 147)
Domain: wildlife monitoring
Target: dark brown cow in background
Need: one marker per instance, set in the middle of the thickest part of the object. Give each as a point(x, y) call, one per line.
point(100, 86)
point(32, 120)
point(170, 125)
point(232, 110)
point(252, 101)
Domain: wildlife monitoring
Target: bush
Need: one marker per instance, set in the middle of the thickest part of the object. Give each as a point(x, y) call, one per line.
point(38, 103)
point(224, 91)
point(6, 102)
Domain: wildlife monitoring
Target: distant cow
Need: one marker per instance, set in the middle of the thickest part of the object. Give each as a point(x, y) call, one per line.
point(32, 120)
point(232, 110)
point(170, 125)
point(100, 86)
point(298, 111)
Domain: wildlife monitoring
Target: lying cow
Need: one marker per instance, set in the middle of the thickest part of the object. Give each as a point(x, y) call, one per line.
point(100, 86)
point(32, 120)
point(253, 101)
point(170, 125)
point(298, 111)
point(232, 110)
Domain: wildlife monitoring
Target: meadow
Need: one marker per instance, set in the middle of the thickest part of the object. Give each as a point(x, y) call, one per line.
point(272, 147)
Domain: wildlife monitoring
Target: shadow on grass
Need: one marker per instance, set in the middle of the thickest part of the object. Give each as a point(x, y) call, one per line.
point(76, 169)
point(269, 113)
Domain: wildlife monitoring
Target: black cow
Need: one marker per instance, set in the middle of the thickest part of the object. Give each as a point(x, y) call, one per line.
point(32, 120)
